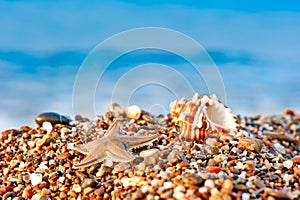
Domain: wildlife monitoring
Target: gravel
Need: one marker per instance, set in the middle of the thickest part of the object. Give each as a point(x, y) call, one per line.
point(262, 161)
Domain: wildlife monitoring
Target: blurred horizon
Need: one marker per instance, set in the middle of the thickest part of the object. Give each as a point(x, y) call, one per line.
point(42, 45)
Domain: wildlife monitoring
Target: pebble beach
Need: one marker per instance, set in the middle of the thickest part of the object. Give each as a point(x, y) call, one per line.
point(261, 161)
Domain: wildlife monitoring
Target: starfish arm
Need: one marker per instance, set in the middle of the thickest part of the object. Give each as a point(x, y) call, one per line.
point(138, 141)
point(87, 147)
point(113, 128)
point(119, 153)
point(91, 159)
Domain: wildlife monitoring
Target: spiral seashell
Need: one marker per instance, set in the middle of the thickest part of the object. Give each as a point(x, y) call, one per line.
point(199, 117)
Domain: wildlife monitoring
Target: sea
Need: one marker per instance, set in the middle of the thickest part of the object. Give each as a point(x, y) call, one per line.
point(36, 82)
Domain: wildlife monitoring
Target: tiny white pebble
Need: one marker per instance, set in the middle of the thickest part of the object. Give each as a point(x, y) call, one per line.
point(51, 161)
point(61, 179)
point(179, 188)
point(36, 179)
point(47, 126)
point(287, 178)
point(243, 175)
point(178, 195)
point(245, 196)
point(288, 164)
point(31, 143)
point(77, 188)
point(22, 165)
point(239, 165)
point(168, 185)
point(279, 147)
point(125, 181)
point(209, 183)
point(144, 188)
point(234, 149)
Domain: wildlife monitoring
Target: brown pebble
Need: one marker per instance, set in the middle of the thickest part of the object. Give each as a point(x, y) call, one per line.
point(240, 187)
point(62, 195)
point(227, 187)
point(8, 195)
point(192, 179)
point(52, 117)
point(279, 194)
point(174, 157)
point(47, 139)
point(88, 190)
point(249, 165)
point(100, 191)
point(296, 159)
point(250, 144)
point(88, 182)
point(64, 155)
point(103, 170)
point(24, 128)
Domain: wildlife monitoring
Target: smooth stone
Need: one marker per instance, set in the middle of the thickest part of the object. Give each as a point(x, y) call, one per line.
point(8, 195)
point(288, 164)
point(52, 117)
point(89, 182)
point(133, 112)
point(47, 139)
point(250, 144)
point(36, 179)
point(174, 157)
point(192, 179)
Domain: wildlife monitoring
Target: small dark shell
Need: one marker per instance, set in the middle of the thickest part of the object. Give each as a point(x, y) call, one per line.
point(52, 117)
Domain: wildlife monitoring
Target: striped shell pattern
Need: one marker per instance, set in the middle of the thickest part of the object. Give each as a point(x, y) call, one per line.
point(201, 117)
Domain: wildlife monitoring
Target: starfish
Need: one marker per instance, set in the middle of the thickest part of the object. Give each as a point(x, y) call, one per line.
point(113, 145)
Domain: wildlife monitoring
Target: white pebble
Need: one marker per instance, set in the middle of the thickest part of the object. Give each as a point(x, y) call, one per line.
point(133, 112)
point(31, 143)
point(144, 188)
point(209, 183)
point(239, 165)
point(178, 195)
point(179, 188)
point(287, 178)
point(22, 165)
point(155, 182)
point(280, 148)
point(125, 181)
point(288, 164)
point(234, 149)
point(76, 188)
point(168, 185)
point(61, 179)
point(245, 196)
point(243, 175)
point(47, 126)
point(36, 197)
point(36, 179)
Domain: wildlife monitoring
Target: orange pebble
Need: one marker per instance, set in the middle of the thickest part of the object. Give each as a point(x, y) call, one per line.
point(214, 169)
point(296, 159)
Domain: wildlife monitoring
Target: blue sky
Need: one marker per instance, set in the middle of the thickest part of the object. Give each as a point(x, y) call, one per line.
point(44, 41)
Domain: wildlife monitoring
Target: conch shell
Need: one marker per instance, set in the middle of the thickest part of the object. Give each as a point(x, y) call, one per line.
point(200, 117)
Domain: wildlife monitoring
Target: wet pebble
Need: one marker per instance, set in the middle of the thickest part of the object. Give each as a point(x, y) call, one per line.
point(52, 117)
